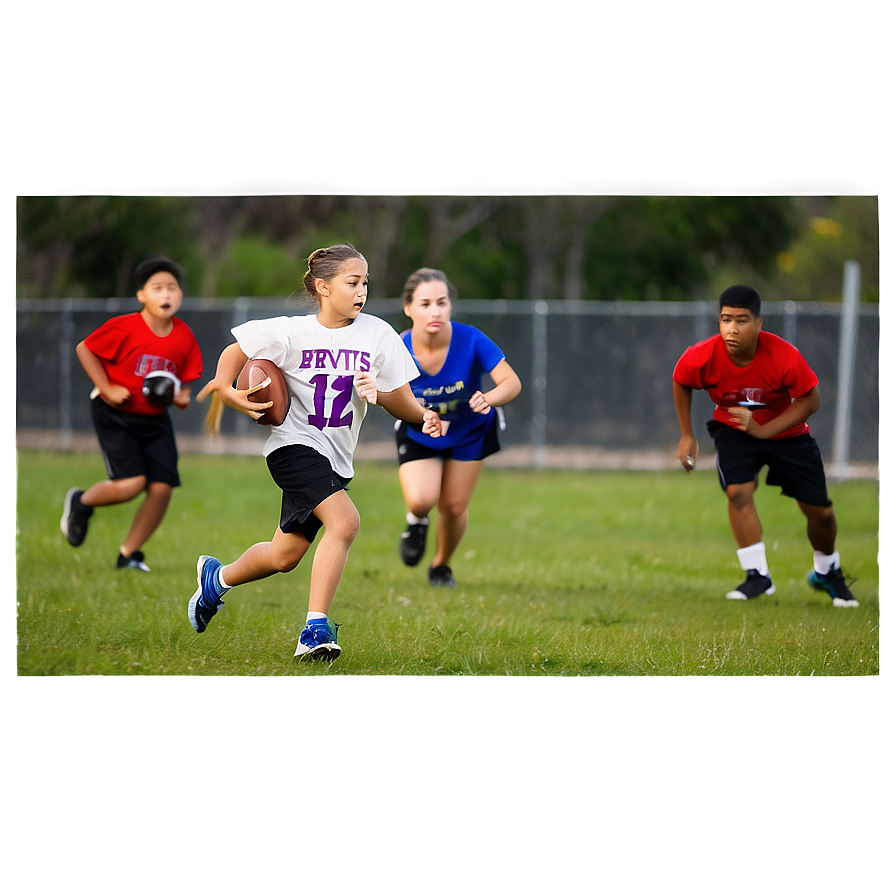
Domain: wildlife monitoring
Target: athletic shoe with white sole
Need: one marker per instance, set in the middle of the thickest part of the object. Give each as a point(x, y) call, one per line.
point(137, 560)
point(441, 575)
point(318, 641)
point(834, 585)
point(207, 598)
point(74, 517)
point(754, 585)
point(413, 543)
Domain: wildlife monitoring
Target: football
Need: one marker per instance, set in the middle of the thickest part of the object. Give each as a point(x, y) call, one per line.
point(261, 371)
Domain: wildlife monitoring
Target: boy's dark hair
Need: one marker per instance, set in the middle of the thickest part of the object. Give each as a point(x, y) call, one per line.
point(153, 265)
point(741, 297)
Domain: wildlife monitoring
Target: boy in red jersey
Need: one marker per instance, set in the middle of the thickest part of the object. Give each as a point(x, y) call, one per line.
point(764, 392)
point(139, 364)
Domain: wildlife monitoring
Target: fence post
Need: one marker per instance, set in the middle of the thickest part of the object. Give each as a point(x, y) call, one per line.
point(66, 341)
point(846, 367)
point(539, 382)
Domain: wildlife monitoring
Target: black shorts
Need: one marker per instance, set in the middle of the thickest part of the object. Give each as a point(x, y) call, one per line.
point(794, 464)
point(478, 445)
point(136, 444)
point(305, 478)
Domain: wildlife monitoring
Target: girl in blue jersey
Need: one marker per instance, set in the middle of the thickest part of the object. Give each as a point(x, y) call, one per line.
point(443, 471)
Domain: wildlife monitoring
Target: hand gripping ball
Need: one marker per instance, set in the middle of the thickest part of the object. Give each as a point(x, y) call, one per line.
point(267, 375)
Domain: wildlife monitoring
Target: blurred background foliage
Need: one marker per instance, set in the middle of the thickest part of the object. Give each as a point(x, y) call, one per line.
point(507, 247)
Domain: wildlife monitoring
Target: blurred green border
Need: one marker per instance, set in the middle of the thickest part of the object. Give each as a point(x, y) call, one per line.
point(416, 786)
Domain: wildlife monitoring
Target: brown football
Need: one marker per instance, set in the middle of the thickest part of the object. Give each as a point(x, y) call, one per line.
point(256, 371)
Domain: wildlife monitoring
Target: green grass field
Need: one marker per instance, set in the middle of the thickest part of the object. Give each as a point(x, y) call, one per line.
point(561, 574)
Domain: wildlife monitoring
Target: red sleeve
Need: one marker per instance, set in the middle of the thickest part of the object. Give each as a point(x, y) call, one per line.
point(106, 340)
point(801, 378)
point(192, 365)
point(689, 369)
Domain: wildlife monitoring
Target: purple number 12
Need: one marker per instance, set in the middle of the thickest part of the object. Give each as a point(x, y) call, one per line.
point(343, 386)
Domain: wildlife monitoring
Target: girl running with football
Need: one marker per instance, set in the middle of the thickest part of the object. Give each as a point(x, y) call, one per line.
point(334, 362)
point(452, 358)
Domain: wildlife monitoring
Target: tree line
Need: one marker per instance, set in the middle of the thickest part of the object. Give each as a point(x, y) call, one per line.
point(493, 247)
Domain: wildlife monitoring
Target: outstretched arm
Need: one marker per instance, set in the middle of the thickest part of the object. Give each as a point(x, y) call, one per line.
point(687, 444)
point(402, 404)
point(507, 387)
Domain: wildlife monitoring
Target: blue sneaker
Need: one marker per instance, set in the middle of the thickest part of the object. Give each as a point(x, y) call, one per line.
point(318, 641)
point(834, 585)
point(205, 602)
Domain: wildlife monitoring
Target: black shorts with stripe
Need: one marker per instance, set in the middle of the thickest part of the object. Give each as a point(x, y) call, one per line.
point(794, 464)
point(306, 478)
point(136, 444)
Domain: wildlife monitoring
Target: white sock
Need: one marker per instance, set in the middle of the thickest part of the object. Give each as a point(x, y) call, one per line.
point(412, 520)
point(221, 583)
point(753, 557)
point(824, 563)
point(312, 614)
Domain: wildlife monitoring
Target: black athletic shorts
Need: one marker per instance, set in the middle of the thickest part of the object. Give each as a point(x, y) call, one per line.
point(478, 445)
point(305, 478)
point(794, 464)
point(136, 444)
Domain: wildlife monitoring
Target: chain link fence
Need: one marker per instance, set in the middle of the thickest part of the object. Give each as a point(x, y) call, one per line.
point(597, 376)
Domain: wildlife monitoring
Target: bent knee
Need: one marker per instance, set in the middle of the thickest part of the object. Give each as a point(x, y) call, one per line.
point(823, 516)
point(348, 528)
point(454, 508)
point(131, 487)
point(285, 561)
point(741, 493)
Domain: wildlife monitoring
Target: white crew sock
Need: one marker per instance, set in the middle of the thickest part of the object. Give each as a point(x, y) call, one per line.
point(753, 557)
point(412, 520)
point(824, 563)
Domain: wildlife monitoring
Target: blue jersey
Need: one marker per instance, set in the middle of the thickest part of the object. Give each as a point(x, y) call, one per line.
point(448, 392)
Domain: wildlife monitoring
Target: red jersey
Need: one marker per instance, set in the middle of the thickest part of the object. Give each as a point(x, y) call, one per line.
point(777, 374)
point(129, 350)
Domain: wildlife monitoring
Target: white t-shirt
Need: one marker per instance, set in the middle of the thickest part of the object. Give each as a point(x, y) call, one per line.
point(318, 364)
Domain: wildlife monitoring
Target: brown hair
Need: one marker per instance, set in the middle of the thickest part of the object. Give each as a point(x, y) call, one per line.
point(324, 264)
point(425, 275)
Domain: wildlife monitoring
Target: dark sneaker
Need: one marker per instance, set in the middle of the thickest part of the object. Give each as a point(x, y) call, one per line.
point(413, 543)
point(834, 585)
point(754, 585)
point(318, 641)
point(205, 601)
point(137, 560)
point(74, 518)
point(441, 575)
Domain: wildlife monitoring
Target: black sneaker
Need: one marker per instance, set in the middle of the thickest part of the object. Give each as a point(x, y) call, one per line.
point(834, 585)
point(413, 543)
point(754, 585)
point(74, 517)
point(137, 560)
point(441, 575)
